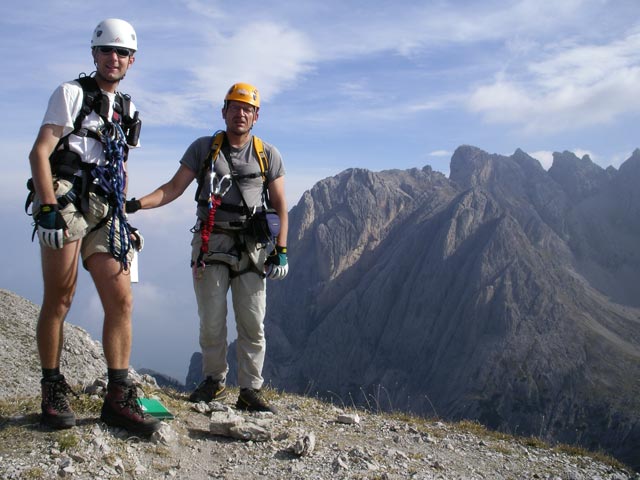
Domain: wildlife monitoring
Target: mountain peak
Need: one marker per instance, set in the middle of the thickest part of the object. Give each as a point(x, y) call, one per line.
point(484, 270)
point(579, 177)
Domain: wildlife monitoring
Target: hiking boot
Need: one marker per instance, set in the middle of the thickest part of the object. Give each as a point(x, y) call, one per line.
point(121, 409)
point(56, 411)
point(208, 390)
point(251, 400)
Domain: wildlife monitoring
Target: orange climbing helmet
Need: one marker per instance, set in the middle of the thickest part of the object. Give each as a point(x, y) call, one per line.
point(243, 92)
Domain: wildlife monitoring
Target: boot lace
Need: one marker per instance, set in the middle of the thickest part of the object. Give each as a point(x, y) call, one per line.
point(57, 394)
point(130, 400)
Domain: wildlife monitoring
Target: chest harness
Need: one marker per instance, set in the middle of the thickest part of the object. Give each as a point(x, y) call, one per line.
point(218, 186)
point(108, 180)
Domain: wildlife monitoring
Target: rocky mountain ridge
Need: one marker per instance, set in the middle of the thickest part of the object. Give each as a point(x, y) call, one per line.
point(309, 439)
point(505, 294)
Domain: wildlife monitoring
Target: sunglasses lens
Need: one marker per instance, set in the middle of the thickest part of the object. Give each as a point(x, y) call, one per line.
point(121, 52)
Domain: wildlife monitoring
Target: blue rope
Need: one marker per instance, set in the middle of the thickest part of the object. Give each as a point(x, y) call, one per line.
point(112, 178)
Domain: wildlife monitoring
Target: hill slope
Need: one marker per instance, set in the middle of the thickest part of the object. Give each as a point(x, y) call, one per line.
point(483, 296)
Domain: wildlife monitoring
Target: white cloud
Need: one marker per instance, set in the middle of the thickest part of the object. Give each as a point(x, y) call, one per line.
point(545, 157)
point(440, 153)
point(571, 88)
point(206, 9)
point(269, 55)
point(581, 152)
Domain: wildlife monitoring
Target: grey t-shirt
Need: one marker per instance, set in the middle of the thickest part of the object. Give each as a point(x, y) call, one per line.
point(245, 162)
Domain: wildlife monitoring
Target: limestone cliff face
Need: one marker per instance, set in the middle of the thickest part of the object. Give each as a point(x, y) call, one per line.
point(487, 295)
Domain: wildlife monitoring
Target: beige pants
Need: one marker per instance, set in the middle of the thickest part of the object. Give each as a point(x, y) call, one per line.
point(248, 292)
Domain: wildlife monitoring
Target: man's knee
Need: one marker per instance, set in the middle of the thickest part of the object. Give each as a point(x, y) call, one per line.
point(58, 300)
point(122, 305)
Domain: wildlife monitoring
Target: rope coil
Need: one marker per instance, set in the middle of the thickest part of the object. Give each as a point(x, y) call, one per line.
point(112, 179)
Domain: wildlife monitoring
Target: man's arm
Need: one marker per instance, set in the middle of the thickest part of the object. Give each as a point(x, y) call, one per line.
point(279, 202)
point(169, 191)
point(45, 143)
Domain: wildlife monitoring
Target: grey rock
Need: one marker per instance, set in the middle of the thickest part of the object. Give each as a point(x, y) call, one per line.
point(236, 426)
point(485, 296)
point(20, 365)
point(349, 418)
point(304, 444)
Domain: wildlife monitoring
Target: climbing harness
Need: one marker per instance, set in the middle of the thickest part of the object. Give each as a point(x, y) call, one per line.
point(217, 141)
point(95, 100)
point(109, 180)
point(256, 218)
point(218, 188)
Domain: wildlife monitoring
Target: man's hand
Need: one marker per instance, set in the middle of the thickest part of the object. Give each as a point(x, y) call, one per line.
point(132, 206)
point(51, 226)
point(276, 265)
point(136, 238)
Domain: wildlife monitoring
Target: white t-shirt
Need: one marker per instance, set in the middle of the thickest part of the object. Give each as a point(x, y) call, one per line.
point(64, 105)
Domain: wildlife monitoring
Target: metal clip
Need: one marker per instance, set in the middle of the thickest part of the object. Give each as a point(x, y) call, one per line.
point(220, 186)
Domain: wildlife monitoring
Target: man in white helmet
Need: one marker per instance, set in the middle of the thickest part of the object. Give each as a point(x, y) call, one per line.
point(231, 247)
point(78, 190)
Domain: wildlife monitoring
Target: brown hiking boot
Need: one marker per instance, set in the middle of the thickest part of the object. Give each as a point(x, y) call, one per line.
point(251, 399)
point(56, 411)
point(208, 390)
point(121, 409)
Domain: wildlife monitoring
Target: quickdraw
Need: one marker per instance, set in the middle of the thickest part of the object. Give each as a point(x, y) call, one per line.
point(218, 188)
point(112, 179)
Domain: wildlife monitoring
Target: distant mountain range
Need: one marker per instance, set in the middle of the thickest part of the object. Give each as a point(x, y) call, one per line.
point(504, 293)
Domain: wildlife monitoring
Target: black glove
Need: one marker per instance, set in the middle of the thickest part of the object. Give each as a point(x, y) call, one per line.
point(132, 206)
point(277, 265)
point(50, 225)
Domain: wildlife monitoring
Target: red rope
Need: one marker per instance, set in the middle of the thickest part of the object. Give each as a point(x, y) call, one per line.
point(205, 234)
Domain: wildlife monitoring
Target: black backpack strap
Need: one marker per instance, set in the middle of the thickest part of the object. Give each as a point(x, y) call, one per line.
point(92, 101)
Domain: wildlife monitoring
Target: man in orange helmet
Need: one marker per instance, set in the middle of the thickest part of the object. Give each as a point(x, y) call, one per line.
point(228, 251)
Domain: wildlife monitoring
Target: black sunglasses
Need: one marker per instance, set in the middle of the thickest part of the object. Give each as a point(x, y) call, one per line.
point(121, 52)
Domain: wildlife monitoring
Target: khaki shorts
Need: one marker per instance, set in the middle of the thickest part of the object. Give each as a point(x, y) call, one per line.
point(81, 225)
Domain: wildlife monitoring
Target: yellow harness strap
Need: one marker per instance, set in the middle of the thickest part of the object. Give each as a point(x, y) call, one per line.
point(216, 145)
point(263, 161)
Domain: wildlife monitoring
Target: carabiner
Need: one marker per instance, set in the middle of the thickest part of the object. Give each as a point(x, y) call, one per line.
point(220, 186)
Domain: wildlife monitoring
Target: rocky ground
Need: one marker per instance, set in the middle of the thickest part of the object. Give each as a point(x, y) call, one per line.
point(308, 439)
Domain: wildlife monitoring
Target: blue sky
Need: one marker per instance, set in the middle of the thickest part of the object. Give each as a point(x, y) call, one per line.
point(344, 84)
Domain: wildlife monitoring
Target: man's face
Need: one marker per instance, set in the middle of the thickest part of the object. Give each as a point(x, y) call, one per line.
point(112, 63)
point(239, 117)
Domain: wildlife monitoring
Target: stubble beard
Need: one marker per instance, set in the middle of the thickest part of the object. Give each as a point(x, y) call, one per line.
point(110, 80)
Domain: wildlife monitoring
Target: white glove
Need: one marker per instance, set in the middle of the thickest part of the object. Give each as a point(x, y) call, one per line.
point(277, 272)
point(277, 264)
point(50, 237)
point(50, 226)
point(138, 239)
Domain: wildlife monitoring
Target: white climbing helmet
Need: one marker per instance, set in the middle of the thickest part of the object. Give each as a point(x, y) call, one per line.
point(116, 33)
